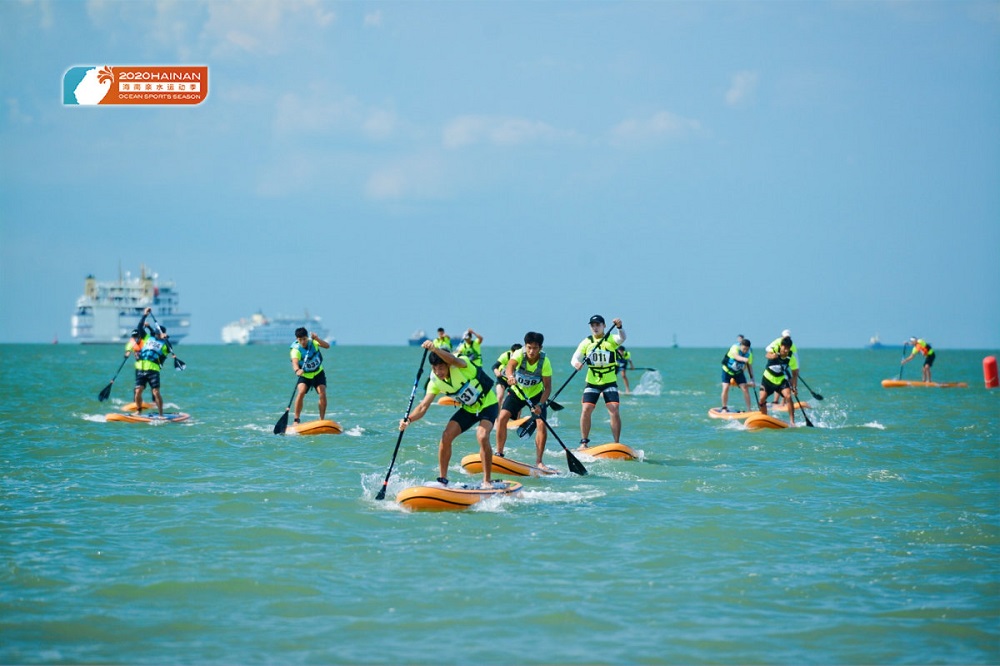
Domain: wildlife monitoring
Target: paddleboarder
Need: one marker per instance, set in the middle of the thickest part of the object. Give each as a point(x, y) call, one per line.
point(471, 346)
point(443, 340)
point(793, 378)
point(150, 352)
point(921, 346)
point(498, 369)
point(623, 358)
point(597, 352)
point(458, 377)
point(737, 359)
point(531, 369)
point(307, 364)
point(776, 374)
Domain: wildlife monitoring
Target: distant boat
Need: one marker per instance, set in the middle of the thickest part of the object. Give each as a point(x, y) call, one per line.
point(874, 343)
point(418, 338)
point(262, 330)
point(108, 311)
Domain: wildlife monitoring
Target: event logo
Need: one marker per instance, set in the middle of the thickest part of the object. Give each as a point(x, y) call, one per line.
point(135, 84)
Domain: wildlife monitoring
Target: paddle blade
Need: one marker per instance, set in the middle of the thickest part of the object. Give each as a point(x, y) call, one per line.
point(279, 427)
point(179, 364)
point(555, 406)
point(527, 428)
point(575, 465)
point(381, 492)
point(105, 392)
point(817, 396)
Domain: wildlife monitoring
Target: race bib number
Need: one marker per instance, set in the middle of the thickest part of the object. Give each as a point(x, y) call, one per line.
point(469, 394)
point(600, 357)
point(312, 363)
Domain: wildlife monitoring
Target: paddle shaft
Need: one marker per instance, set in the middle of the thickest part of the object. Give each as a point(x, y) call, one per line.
point(802, 409)
point(106, 391)
point(600, 342)
point(282, 423)
point(575, 465)
point(178, 364)
point(905, 345)
point(809, 388)
point(409, 406)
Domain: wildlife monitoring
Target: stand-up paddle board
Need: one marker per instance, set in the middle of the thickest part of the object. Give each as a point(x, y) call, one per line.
point(448, 401)
point(613, 451)
point(784, 407)
point(130, 406)
point(175, 417)
point(454, 496)
point(717, 413)
point(898, 383)
point(322, 427)
point(473, 465)
point(758, 421)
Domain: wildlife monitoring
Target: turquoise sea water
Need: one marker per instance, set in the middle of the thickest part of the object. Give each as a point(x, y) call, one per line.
point(871, 538)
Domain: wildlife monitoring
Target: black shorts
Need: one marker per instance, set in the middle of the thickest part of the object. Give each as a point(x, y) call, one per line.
point(592, 392)
point(770, 387)
point(466, 420)
point(513, 404)
point(929, 360)
point(313, 382)
point(151, 377)
point(739, 377)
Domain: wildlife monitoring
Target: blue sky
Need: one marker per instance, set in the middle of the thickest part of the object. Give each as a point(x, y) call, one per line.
point(700, 169)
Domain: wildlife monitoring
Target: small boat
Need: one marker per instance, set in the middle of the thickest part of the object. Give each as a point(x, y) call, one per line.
point(898, 383)
point(455, 496)
point(874, 343)
point(474, 465)
point(758, 421)
point(418, 338)
point(612, 451)
point(320, 427)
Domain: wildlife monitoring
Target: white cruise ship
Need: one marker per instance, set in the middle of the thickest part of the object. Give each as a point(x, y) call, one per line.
point(262, 330)
point(108, 311)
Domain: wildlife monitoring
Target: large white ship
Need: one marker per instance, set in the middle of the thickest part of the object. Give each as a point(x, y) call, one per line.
point(108, 311)
point(261, 330)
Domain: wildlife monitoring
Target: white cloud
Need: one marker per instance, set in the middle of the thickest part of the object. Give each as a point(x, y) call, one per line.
point(374, 19)
point(742, 88)
point(660, 125)
point(498, 131)
point(414, 177)
point(317, 113)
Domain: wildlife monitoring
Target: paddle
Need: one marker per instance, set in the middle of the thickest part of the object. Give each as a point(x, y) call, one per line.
point(901, 364)
point(575, 465)
point(106, 391)
point(814, 394)
point(649, 369)
point(607, 334)
point(409, 406)
point(178, 364)
point(282, 424)
point(802, 409)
